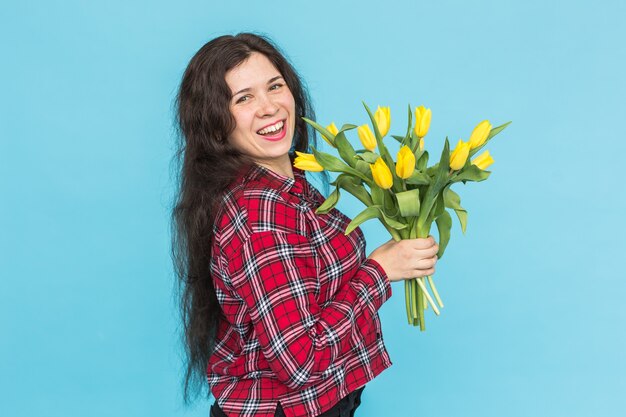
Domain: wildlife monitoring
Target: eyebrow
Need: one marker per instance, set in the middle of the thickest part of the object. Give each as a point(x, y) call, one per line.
point(271, 80)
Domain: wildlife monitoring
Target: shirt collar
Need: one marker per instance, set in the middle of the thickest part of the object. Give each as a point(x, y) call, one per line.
point(270, 179)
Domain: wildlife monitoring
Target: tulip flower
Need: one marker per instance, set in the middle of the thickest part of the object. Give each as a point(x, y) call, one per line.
point(459, 155)
point(307, 162)
point(422, 121)
point(483, 160)
point(480, 133)
point(383, 119)
point(367, 137)
point(405, 164)
point(381, 174)
point(333, 130)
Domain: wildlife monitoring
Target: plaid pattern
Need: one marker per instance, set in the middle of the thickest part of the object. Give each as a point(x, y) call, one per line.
point(300, 300)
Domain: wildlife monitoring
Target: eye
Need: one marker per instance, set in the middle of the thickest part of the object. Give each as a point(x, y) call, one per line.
point(278, 85)
point(241, 99)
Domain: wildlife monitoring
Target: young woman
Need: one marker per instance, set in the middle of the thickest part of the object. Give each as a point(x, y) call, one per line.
point(279, 307)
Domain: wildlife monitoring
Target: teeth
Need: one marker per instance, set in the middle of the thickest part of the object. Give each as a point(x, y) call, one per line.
point(272, 128)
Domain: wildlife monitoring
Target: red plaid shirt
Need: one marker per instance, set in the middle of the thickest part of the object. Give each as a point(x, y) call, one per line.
point(300, 300)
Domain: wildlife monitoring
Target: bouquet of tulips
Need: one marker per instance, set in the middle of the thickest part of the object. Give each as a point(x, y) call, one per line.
point(406, 195)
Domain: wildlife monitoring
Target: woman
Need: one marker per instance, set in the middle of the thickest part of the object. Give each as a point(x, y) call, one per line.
point(279, 306)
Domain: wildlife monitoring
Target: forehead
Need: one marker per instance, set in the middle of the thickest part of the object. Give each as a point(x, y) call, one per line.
point(254, 71)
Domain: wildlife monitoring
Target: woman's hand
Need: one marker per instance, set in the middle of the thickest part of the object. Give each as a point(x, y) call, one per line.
point(408, 258)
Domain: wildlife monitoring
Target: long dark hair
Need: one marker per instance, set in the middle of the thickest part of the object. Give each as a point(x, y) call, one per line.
point(205, 164)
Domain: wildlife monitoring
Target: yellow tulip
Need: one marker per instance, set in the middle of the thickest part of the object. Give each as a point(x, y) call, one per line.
point(381, 174)
point(422, 121)
point(405, 164)
point(367, 137)
point(332, 129)
point(479, 134)
point(459, 155)
point(307, 162)
point(483, 160)
point(383, 119)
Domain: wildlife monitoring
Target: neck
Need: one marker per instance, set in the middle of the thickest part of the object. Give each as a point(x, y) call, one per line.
point(283, 167)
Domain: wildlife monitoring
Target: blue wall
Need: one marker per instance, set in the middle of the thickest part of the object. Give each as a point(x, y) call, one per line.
point(533, 293)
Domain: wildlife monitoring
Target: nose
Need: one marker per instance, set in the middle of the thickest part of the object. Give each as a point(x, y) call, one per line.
point(266, 106)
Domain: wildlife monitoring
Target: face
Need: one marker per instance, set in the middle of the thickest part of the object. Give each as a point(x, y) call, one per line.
point(264, 112)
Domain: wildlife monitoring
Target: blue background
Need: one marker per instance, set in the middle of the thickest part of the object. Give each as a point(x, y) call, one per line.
point(533, 293)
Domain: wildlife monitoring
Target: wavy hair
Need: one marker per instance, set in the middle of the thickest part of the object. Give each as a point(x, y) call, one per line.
point(205, 164)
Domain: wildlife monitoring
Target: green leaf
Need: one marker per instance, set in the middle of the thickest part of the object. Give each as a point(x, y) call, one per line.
point(378, 195)
point(364, 168)
point(497, 130)
point(329, 162)
point(462, 215)
point(438, 208)
point(398, 138)
point(418, 178)
point(444, 224)
point(346, 127)
point(492, 133)
point(334, 164)
point(354, 187)
point(369, 157)
point(390, 208)
point(453, 201)
point(408, 129)
point(367, 214)
point(329, 203)
point(422, 161)
point(321, 129)
point(371, 213)
point(441, 180)
point(409, 203)
point(345, 149)
point(471, 173)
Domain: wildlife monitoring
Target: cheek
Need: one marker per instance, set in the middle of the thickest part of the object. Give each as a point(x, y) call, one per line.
point(242, 121)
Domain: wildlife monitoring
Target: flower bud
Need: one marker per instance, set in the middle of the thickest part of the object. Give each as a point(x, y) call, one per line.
point(480, 134)
point(367, 137)
point(405, 164)
point(333, 130)
point(383, 119)
point(307, 162)
point(422, 121)
point(381, 174)
point(459, 155)
point(483, 160)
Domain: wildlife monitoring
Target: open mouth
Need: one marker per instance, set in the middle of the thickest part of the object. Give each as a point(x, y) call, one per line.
point(273, 130)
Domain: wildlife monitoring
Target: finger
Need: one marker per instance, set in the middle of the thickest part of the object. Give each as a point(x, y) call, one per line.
point(421, 243)
point(428, 252)
point(426, 264)
point(423, 273)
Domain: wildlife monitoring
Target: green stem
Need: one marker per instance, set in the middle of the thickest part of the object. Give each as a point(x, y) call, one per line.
point(420, 282)
point(415, 299)
point(395, 234)
point(435, 293)
point(407, 300)
point(420, 307)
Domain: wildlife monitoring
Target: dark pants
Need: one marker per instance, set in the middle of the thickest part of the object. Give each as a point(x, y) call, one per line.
point(344, 408)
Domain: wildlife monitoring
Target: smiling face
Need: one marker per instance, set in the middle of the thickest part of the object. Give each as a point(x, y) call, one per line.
point(264, 112)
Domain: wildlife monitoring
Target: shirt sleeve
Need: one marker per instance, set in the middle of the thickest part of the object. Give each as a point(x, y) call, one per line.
point(275, 274)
